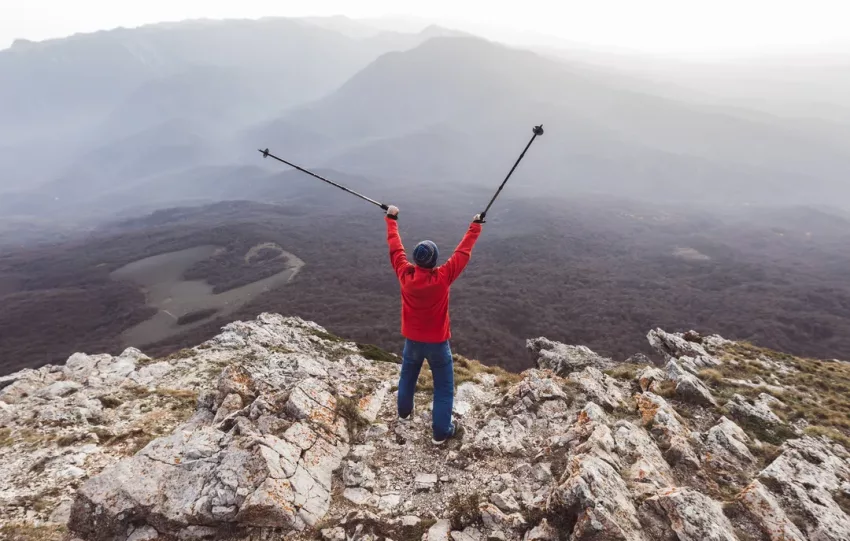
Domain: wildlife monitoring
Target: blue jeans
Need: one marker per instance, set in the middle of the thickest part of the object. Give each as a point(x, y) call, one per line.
point(439, 358)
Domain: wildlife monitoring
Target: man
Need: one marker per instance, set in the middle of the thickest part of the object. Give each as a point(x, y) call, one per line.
point(425, 320)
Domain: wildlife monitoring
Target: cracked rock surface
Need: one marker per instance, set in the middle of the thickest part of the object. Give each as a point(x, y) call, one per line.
point(276, 430)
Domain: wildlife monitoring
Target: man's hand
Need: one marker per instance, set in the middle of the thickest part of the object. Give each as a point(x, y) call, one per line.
point(392, 212)
point(478, 219)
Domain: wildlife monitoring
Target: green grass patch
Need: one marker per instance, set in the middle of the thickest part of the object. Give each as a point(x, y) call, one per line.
point(326, 336)
point(374, 353)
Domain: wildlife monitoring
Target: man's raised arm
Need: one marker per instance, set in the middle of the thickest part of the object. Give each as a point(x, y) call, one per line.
point(459, 259)
point(398, 257)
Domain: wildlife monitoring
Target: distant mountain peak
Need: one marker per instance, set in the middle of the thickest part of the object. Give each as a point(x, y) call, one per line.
point(436, 30)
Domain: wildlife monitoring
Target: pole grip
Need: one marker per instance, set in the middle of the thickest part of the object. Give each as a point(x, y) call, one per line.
point(385, 207)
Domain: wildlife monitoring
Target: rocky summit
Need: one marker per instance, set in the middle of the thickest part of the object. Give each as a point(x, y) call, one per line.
point(276, 429)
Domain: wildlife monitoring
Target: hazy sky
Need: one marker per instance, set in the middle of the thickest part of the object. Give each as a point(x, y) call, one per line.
point(671, 26)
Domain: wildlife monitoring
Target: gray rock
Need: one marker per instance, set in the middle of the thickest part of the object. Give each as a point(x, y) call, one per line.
point(649, 378)
point(726, 446)
point(505, 501)
point(361, 452)
point(150, 374)
point(59, 389)
point(197, 532)
point(440, 531)
point(564, 359)
point(387, 501)
point(493, 518)
point(498, 437)
point(805, 477)
point(600, 500)
point(768, 514)
point(357, 474)
point(231, 404)
point(300, 435)
point(61, 514)
point(668, 428)
point(674, 346)
point(689, 387)
point(462, 536)
point(543, 472)
point(542, 532)
point(311, 399)
point(756, 412)
point(371, 404)
point(639, 359)
point(409, 521)
point(425, 481)
point(333, 534)
point(358, 496)
point(377, 431)
point(690, 515)
point(601, 388)
point(265, 507)
point(644, 467)
point(143, 533)
point(594, 412)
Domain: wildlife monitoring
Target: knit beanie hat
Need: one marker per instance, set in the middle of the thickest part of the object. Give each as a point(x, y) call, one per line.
point(425, 254)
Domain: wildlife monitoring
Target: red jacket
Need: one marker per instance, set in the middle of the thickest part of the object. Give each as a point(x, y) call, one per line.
point(425, 292)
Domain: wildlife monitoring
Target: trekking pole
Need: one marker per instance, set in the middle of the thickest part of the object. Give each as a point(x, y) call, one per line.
point(267, 154)
point(538, 130)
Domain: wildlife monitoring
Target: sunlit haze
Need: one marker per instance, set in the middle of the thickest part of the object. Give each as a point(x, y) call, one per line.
point(658, 26)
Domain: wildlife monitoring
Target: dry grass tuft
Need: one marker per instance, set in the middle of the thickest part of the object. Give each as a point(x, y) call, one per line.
point(463, 510)
point(465, 370)
point(348, 409)
point(626, 371)
point(26, 531)
point(833, 434)
point(711, 376)
point(814, 390)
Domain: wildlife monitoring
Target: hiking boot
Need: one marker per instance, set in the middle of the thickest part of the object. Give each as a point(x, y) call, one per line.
point(457, 431)
point(409, 416)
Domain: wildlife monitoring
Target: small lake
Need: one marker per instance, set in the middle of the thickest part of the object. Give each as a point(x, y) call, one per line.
point(161, 279)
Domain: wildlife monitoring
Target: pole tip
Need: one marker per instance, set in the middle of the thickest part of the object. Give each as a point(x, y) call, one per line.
point(538, 130)
point(265, 152)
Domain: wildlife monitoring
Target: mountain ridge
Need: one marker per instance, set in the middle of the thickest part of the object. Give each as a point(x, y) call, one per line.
point(277, 427)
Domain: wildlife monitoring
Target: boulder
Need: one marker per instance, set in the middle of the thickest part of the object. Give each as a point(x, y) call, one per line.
point(687, 513)
point(757, 411)
point(649, 378)
point(689, 387)
point(599, 499)
point(563, 359)
point(644, 467)
point(768, 514)
point(505, 501)
point(726, 447)
point(676, 345)
point(201, 475)
point(668, 429)
point(440, 531)
point(601, 388)
point(357, 474)
point(499, 437)
point(805, 477)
